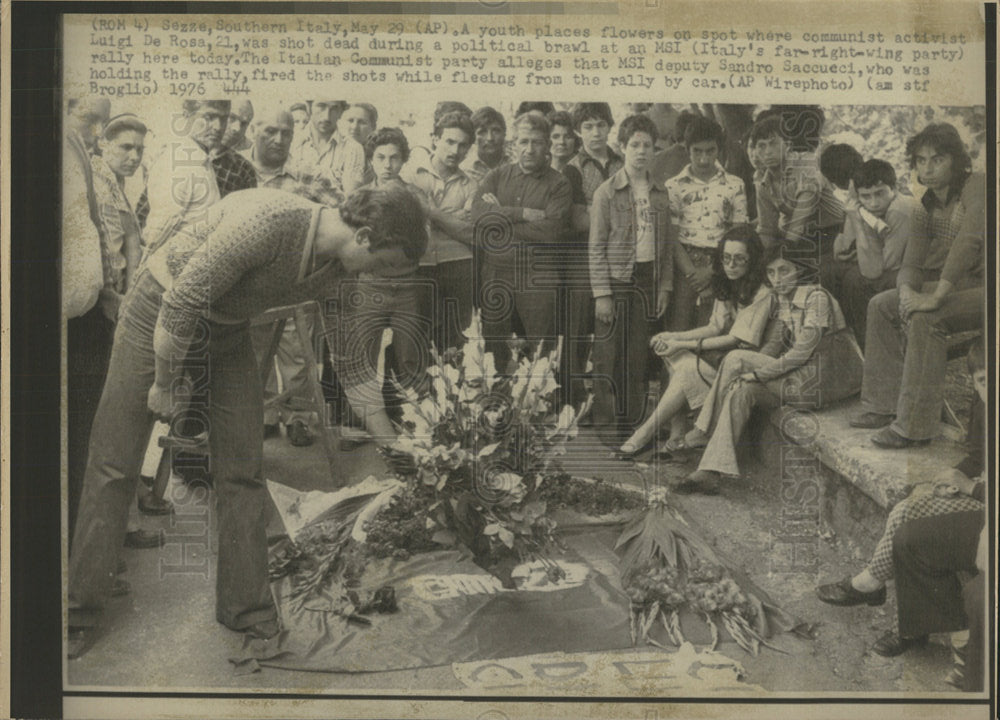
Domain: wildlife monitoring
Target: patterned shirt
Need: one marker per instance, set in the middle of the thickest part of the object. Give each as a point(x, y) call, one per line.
point(117, 224)
point(233, 172)
point(948, 237)
point(254, 251)
point(702, 210)
point(593, 173)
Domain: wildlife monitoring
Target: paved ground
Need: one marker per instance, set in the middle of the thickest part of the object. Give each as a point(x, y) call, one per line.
point(164, 634)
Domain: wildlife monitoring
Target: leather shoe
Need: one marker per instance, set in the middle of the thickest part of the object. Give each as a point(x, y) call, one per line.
point(871, 421)
point(298, 434)
point(889, 439)
point(144, 539)
point(843, 594)
point(149, 504)
point(705, 482)
point(891, 644)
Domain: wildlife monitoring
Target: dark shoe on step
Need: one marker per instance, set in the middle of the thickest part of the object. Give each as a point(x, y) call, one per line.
point(891, 644)
point(271, 430)
point(704, 482)
point(144, 539)
point(871, 421)
point(299, 434)
point(149, 504)
point(843, 594)
point(889, 439)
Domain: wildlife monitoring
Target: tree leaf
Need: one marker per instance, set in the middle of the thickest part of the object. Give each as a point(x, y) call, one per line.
point(491, 529)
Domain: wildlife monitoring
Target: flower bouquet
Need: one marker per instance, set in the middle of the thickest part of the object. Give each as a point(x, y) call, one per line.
point(484, 444)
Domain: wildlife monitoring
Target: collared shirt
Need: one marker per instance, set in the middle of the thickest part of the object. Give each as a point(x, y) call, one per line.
point(593, 172)
point(453, 195)
point(613, 226)
point(703, 210)
point(475, 168)
point(339, 160)
point(545, 189)
point(795, 199)
point(181, 188)
point(117, 224)
point(808, 314)
point(233, 172)
point(82, 271)
point(880, 249)
point(948, 237)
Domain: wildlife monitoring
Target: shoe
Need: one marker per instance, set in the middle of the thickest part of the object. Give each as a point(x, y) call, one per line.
point(891, 644)
point(271, 430)
point(871, 421)
point(889, 439)
point(956, 678)
point(843, 594)
point(149, 504)
point(78, 642)
point(144, 539)
point(264, 630)
point(299, 434)
point(121, 588)
point(704, 482)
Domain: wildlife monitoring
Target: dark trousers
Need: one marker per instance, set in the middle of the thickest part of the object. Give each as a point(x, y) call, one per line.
point(88, 351)
point(854, 291)
point(974, 593)
point(575, 322)
point(445, 299)
point(927, 555)
point(514, 298)
point(121, 429)
point(620, 355)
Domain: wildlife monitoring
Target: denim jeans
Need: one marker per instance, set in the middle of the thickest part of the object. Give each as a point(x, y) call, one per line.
point(120, 432)
point(905, 363)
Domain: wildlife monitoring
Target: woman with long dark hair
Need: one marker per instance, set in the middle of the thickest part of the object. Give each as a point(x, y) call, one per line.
point(738, 318)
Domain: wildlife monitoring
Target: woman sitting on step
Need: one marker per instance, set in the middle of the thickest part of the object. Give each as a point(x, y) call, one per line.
point(820, 364)
point(929, 538)
point(739, 317)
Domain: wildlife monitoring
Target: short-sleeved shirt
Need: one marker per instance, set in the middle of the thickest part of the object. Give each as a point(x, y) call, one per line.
point(746, 322)
point(703, 211)
point(453, 195)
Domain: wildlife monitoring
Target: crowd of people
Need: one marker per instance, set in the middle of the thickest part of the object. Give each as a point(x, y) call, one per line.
point(765, 270)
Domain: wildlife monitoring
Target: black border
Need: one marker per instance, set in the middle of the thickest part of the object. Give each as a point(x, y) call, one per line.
point(36, 616)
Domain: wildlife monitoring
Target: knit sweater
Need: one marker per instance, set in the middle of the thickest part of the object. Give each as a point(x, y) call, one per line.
point(255, 251)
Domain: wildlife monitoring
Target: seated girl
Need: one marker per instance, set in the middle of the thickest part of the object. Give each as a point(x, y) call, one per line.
point(820, 364)
point(740, 312)
point(929, 538)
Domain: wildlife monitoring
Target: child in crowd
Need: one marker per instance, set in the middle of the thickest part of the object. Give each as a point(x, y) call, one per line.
point(869, 250)
point(631, 276)
point(820, 365)
point(740, 313)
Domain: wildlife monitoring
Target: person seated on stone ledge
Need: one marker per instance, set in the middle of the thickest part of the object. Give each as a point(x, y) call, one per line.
point(939, 291)
point(739, 316)
point(821, 364)
point(929, 538)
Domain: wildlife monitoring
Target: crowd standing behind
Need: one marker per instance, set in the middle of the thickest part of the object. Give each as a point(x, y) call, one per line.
point(547, 230)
